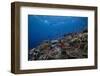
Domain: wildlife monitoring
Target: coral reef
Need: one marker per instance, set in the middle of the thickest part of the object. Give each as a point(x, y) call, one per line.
point(70, 46)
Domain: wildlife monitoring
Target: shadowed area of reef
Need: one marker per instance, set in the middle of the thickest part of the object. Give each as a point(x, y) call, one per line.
point(70, 46)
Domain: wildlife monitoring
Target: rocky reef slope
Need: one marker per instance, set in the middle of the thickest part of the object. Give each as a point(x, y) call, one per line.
point(70, 46)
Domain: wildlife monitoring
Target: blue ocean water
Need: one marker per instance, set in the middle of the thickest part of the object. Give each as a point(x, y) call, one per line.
point(47, 27)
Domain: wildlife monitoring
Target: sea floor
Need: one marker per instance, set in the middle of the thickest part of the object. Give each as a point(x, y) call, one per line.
point(70, 46)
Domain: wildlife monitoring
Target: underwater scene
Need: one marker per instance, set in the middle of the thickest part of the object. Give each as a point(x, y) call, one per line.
point(53, 37)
